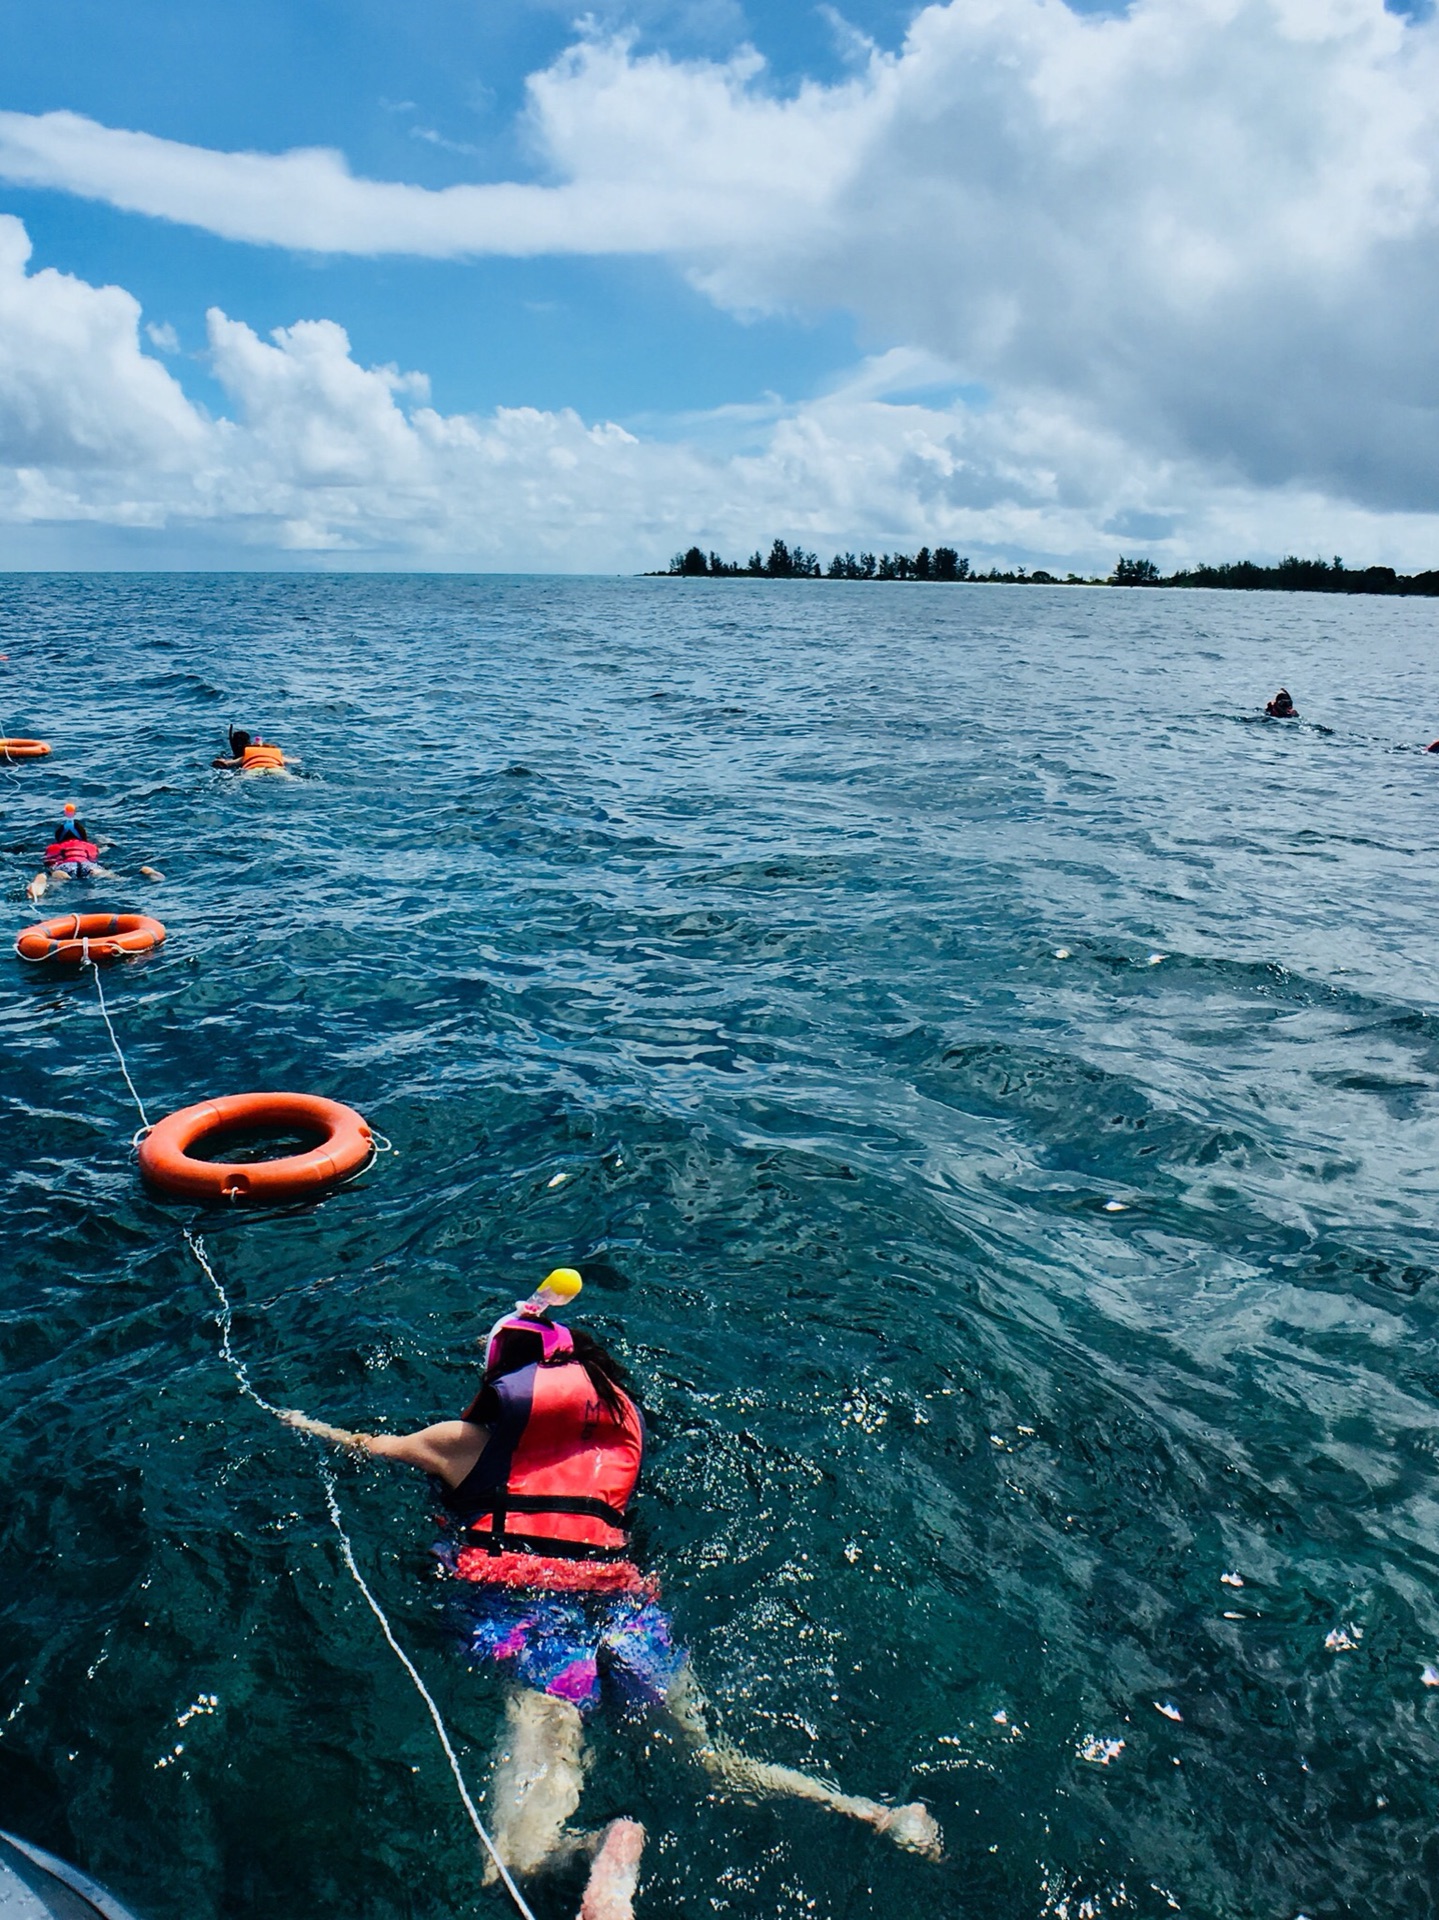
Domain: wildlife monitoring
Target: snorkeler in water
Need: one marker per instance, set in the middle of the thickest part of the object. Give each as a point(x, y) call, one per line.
point(250, 754)
point(1281, 707)
point(73, 855)
point(537, 1475)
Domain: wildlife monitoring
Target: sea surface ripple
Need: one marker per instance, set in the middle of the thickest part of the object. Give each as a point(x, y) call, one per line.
point(988, 1078)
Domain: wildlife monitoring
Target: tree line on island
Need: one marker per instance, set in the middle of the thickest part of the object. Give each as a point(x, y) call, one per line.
point(1291, 575)
point(793, 563)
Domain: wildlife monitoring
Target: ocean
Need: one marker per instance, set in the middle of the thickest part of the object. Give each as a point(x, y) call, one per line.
point(987, 1077)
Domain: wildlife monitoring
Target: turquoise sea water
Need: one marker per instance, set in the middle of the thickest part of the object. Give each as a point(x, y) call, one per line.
point(989, 1306)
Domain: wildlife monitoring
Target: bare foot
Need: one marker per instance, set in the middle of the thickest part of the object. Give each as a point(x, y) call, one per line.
point(36, 888)
point(151, 874)
point(610, 1890)
point(914, 1828)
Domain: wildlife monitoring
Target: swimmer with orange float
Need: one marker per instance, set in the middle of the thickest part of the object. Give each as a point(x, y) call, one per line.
point(73, 855)
point(250, 754)
point(537, 1476)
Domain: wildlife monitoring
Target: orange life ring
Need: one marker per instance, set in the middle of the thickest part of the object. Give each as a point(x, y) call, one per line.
point(24, 749)
point(78, 938)
point(346, 1148)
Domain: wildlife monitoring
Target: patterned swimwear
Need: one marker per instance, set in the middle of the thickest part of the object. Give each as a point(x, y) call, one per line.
point(564, 1643)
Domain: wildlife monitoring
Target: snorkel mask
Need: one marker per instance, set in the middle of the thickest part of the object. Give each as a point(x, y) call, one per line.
point(528, 1322)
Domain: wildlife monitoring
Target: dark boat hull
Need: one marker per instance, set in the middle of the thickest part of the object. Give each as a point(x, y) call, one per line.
point(34, 1885)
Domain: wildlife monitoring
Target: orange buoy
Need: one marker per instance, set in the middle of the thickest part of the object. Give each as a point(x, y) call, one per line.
point(346, 1147)
point(23, 749)
point(77, 938)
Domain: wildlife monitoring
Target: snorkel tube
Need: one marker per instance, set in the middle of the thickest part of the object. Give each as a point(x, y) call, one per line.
point(529, 1317)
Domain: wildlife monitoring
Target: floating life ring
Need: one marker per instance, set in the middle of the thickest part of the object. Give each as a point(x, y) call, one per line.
point(346, 1147)
point(24, 749)
point(79, 938)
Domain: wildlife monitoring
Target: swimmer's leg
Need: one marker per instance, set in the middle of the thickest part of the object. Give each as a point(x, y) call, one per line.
point(536, 1785)
point(913, 1827)
point(36, 888)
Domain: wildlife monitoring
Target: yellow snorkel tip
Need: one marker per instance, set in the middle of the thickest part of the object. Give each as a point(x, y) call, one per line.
point(563, 1284)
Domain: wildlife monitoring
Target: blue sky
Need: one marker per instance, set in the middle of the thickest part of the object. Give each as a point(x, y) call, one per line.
point(386, 85)
point(1034, 278)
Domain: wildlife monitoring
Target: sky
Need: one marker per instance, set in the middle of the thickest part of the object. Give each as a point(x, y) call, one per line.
point(491, 284)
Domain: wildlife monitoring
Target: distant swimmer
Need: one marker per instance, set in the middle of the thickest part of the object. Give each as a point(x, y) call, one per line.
point(1281, 707)
point(537, 1476)
point(250, 754)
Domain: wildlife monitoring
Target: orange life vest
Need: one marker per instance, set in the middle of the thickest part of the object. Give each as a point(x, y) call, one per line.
point(554, 1481)
point(258, 755)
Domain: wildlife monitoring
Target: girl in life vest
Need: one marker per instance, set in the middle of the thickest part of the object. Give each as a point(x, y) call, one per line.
point(71, 855)
point(250, 754)
point(537, 1477)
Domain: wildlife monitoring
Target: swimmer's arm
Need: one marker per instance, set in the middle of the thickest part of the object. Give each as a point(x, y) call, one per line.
point(449, 1448)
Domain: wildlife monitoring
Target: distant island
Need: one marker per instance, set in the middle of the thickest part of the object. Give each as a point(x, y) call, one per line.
point(1292, 575)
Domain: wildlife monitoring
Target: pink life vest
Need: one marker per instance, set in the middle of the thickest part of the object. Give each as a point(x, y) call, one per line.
point(546, 1503)
point(62, 853)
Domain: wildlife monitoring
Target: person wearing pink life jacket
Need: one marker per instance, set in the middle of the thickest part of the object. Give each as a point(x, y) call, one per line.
point(537, 1477)
point(71, 855)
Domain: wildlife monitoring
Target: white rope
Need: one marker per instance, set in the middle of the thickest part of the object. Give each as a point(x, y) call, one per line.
point(114, 1042)
point(225, 1321)
point(441, 1731)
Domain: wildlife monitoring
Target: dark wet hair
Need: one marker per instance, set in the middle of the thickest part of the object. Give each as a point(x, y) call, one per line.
point(239, 740)
point(607, 1376)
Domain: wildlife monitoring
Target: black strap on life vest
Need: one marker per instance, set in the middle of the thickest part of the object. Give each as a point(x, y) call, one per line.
point(501, 1540)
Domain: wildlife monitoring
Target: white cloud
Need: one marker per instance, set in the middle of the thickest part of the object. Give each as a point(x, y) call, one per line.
point(320, 455)
point(91, 428)
point(1206, 226)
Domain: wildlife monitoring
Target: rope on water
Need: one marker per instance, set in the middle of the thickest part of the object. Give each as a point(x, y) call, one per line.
point(86, 961)
point(225, 1321)
point(441, 1731)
